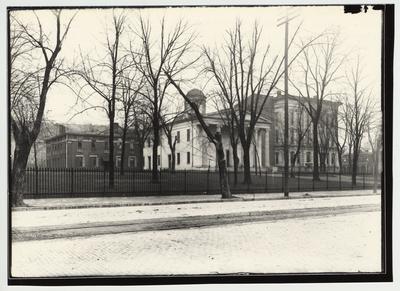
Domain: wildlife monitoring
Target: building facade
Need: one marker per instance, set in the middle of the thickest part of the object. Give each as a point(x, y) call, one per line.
point(194, 151)
point(301, 133)
point(87, 146)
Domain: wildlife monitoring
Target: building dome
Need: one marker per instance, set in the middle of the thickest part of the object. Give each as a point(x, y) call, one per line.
point(198, 97)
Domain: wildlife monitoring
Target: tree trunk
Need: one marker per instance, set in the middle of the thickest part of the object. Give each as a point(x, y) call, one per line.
point(111, 154)
point(124, 131)
point(340, 160)
point(156, 131)
point(21, 154)
point(315, 152)
point(35, 154)
point(141, 158)
point(246, 165)
point(173, 159)
point(355, 166)
point(235, 162)
point(223, 177)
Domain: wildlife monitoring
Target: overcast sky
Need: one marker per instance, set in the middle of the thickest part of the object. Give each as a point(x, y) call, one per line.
point(360, 34)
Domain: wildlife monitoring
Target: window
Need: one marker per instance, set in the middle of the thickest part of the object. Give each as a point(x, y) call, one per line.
point(188, 157)
point(291, 117)
point(178, 136)
point(80, 161)
point(188, 134)
point(131, 146)
point(149, 160)
point(292, 135)
point(332, 159)
point(178, 158)
point(148, 142)
point(228, 159)
point(158, 160)
point(131, 162)
point(106, 145)
point(308, 157)
point(292, 161)
point(276, 158)
point(79, 145)
point(93, 144)
point(117, 161)
point(277, 136)
point(93, 161)
point(169, 161)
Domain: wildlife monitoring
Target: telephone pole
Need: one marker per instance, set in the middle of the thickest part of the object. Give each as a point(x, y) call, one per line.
point(285, 21)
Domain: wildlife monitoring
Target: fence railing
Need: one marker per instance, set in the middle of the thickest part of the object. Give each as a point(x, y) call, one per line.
point(84, 182)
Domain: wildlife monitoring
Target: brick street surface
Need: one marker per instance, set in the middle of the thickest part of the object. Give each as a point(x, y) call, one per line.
point(345, 243)
point(323, 240)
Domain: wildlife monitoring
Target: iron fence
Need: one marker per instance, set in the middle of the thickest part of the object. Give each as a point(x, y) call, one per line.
point(85, 182)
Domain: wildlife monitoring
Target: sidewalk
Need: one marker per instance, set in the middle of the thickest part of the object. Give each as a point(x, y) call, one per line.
point(84, 221)
point(96, 202)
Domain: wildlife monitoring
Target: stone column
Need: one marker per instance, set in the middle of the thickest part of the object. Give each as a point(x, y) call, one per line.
point(267, 153)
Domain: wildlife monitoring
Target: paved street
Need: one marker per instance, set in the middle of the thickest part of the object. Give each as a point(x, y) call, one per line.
point(343, 243)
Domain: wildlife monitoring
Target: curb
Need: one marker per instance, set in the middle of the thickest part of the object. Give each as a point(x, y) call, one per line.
point(133, 204)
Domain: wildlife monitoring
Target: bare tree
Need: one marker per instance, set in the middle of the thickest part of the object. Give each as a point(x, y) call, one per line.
point(141, 127)
point(246, 77)
point(339, 132)
point(35, 67)
point(168, 122)
point(302, 128)
point(216, 139)
point(359, 116)
point(130, 93)
point(375, 142)
point(324, 141)
point(228, 121)
point(319, 68)
point(154, 55)
point(104, 77)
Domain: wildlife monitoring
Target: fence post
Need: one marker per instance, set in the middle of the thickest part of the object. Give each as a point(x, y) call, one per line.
point(104, 180)
point(266, 181)
point(327, 180)
point(72, 180)
point(208, 180)
point(364, 180)
point(160, 188)
point(313, 183)
point(185, 182)
point(37, 181)
point(298, 179)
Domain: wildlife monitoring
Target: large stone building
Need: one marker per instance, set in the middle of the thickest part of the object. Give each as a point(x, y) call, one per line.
point(87, 146)
point(194, 151)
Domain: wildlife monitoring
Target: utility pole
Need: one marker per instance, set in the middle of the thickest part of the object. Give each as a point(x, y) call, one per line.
point(286, 20)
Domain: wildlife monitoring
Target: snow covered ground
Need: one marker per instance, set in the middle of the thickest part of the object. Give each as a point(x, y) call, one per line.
point(343, 243)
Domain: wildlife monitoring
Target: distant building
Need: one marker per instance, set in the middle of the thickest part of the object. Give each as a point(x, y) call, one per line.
point(296, 110)
point(194, 151)
point(87, 146)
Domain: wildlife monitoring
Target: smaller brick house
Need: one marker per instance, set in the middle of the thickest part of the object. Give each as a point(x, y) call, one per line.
point(87, 146)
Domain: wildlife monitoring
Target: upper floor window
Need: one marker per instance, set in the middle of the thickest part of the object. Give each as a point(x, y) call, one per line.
point(106, 145)
point(188, 134)
point(178, 136)
point(148, 142)
point(93, 144)
point(79, 145)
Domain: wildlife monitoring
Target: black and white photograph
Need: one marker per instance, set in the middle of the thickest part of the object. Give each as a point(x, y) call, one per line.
point(198, 144)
